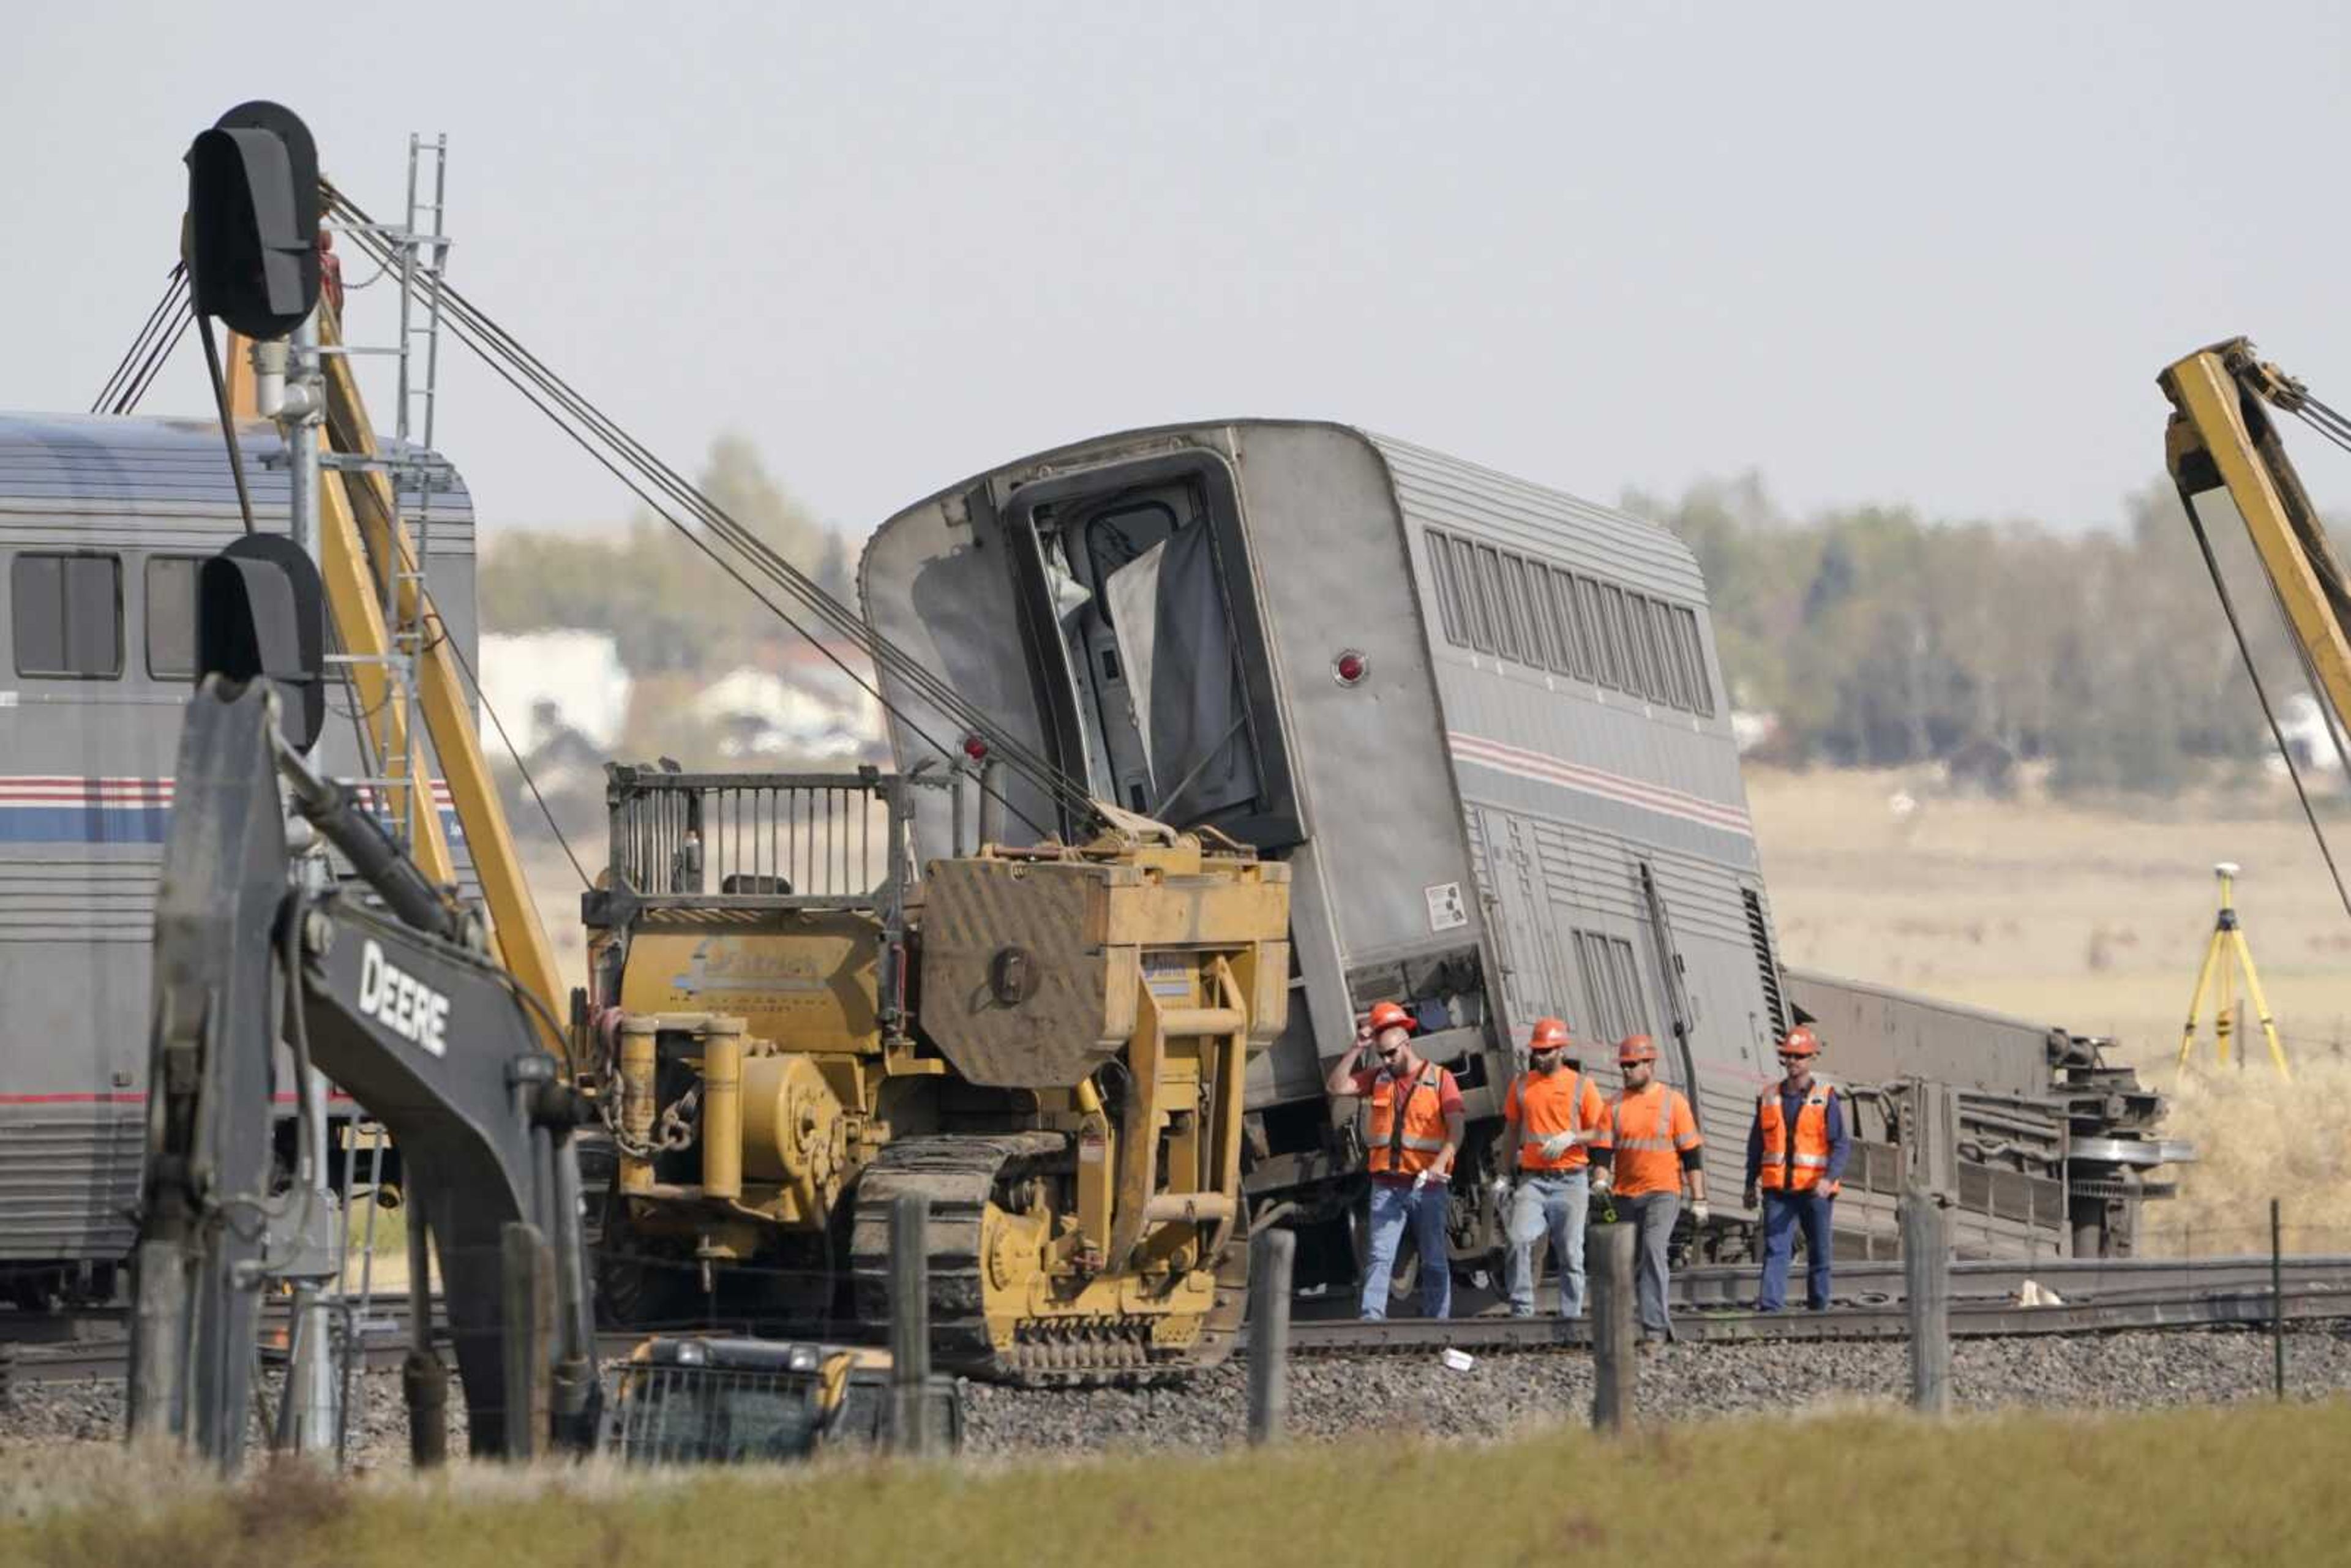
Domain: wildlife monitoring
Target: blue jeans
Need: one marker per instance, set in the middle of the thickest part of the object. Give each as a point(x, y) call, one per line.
point(1782, 1212)
point(1391, 1206)
point(1555, 1201)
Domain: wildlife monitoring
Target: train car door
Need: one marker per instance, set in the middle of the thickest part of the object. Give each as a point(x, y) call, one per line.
point(1506, 867)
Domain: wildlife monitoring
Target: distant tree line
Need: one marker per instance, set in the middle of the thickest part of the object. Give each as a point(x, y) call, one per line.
point(669, 608)
point(1877, 638)
point(1873, 637)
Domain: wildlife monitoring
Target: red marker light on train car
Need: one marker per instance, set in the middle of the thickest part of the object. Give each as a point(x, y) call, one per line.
point(975, 747)
point(1349, 667)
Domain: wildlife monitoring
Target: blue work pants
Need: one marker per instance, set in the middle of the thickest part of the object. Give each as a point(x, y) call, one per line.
point(1783, 1213)
point(1553, 1202)
point(1393, 1204)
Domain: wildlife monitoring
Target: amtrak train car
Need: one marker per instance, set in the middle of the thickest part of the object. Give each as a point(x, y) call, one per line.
point(103, 522)
point(1486, 725)
point(1482, 720)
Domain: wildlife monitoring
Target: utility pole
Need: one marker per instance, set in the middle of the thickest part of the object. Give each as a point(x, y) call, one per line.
point(289, 391)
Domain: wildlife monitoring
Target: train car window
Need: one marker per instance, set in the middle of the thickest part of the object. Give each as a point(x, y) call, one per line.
point(1694, 659)
point(1628, 664)
point(1605, 658)
point(1566, 633)
point(67, 613)
point(1448, 592)
point(1659, 634)
point(1526, 607)
point(1505, 620)
point(1639, 677)
point(172, 617)
point(1473, 597)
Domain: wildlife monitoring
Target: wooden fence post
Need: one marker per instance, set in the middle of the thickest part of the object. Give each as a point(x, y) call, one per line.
point(1926, 1293)
point(1271, 1253)
point(1615, 1326)
point(910, 1323)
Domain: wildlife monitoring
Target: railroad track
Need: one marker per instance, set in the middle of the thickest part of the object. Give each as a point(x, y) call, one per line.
point(2093, 1296)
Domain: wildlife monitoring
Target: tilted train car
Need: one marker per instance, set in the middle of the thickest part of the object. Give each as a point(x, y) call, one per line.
point(1483, 721)
point(103, 523)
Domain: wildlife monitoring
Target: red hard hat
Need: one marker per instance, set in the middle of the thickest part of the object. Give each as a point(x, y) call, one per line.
point(1388, 1015)
point(1800, 1041)
point(1551, 1034)
point(1635, 1048)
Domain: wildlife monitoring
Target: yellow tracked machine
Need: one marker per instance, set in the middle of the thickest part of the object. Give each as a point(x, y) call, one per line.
point(1048, 1042)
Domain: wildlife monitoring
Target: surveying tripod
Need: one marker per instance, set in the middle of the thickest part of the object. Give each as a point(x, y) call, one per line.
point(2216, 979)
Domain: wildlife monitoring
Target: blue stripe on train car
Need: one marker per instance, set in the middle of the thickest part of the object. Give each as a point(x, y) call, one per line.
point(108, 824)
point(94, 823)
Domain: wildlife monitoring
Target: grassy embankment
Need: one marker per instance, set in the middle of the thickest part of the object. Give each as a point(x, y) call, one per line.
point(2246, 1485)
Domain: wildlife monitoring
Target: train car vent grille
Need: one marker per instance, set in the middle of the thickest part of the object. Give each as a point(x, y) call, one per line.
point(1766, 963)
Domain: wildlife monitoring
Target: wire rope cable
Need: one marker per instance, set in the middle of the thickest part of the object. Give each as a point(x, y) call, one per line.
point(516, 365)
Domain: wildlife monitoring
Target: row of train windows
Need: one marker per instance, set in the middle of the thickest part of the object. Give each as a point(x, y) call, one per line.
point(66, 615)
point(1517, 609)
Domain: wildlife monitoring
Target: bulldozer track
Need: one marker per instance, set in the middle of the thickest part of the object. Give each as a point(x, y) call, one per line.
point(959, 1175)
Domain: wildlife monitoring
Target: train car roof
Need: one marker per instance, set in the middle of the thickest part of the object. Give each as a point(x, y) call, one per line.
point(1433, 487)
point(127, 465)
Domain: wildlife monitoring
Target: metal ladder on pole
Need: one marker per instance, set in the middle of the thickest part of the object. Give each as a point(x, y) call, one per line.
point(424, 258)
point(415, 473)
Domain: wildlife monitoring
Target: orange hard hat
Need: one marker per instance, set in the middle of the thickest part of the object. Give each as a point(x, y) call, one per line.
point(1800, 1041)
point(1388, 1015)
point(1635, 1048)
point(1551, 1034)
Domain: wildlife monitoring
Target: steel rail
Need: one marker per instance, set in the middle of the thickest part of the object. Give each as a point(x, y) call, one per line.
point(1972, 1319)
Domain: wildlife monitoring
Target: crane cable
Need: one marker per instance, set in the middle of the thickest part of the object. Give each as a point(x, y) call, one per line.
point(540, 386)
point(165, 326)
point(2252, 670)
point(520, 365)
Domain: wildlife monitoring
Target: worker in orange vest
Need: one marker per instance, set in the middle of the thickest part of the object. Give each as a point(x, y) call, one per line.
point(1552, 1112)
point(1654, 1138)
point(1795, 1156)
point(1415, 1132)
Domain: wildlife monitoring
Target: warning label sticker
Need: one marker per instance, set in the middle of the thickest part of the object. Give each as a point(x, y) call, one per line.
point(1444, 910)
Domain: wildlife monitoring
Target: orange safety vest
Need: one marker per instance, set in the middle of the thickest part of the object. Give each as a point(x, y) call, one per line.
point(1408, 1145)
point(1800, 1164)
point(1651, 1131)
point(1546, 1104)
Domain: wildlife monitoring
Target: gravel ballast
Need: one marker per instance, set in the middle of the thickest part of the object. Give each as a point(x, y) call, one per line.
point(1414, 1392)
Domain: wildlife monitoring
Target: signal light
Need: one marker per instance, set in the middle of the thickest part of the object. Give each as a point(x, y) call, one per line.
point(252, 220)
point(261, 614)
point(1349, 667)
point(975, 747)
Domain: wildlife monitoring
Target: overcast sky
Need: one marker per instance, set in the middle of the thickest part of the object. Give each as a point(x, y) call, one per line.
point(1875, 253)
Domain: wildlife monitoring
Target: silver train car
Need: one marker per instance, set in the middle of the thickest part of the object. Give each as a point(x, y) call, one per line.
point(1484, 721)
point(102, 524)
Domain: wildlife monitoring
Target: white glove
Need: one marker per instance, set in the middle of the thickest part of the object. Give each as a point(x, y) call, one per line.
point(1502, 1184)
point(1601, 1181)
point(1420, 1181)
point(1557, 1145)
point(1698, 1211)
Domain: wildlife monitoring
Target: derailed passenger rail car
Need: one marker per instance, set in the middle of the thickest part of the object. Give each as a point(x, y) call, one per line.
point(1484, 722)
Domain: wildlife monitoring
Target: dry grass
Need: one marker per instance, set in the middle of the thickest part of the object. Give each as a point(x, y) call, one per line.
point(2258, 1137)
point(1876, 1489)
point(2093, 918)
point(2096, 919)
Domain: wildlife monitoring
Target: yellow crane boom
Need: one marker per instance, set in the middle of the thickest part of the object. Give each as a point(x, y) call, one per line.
point(2220, 438)
point(361, 544)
